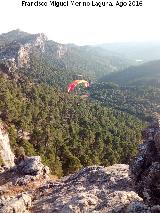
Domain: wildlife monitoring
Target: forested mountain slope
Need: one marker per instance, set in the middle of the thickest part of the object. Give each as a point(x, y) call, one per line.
point(57, 64)
point(87, 60)
point(140, 101)
point(67, 131)
point(135, 90)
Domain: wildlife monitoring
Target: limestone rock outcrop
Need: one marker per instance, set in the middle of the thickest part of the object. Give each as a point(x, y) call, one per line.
point(29, 170)
point(6, 154)
point(61, 50)
point(145, 169)
point(32, 166)
point(23, 55)
point(93, 189)
point(18, 204)
point(17, 185)
point(17, 54)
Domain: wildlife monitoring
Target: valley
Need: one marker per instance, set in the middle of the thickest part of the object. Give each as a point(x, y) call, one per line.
point(70, 132)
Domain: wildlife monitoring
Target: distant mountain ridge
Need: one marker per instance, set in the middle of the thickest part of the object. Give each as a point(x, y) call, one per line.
point(56, 63)
point(136, 51)
point(86, 60)
point(144, 74)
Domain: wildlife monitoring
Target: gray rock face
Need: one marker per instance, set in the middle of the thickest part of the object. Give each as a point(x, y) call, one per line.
point(26, 176)
point(32, 166)
point(6, 154)
point(93, 189)
point(18, 204)
point(27, 172)
point(25, 50)
point(145, 170)
point(30, 169)
point(17, 53)
point(61, 51)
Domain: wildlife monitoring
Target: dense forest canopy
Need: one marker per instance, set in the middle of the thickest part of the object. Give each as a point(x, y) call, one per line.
point(140, 101)
point(67, 131)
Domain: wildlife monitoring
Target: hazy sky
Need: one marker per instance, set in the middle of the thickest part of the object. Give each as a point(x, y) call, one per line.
point(82, 25)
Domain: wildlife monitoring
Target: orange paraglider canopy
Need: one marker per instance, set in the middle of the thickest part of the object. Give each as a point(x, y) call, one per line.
point(75, 83)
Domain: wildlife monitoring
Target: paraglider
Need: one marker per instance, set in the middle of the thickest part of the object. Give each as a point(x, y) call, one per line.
point(75, 83)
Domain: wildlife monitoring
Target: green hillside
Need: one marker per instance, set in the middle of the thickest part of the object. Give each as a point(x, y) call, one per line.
point(58, 64)
point(135, 90)
point(87, 60)
point(145, 74)
point(66, 131)
point(140, 101)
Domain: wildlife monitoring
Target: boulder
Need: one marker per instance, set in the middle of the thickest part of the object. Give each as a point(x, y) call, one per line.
point(32, 166)
point(18, 204)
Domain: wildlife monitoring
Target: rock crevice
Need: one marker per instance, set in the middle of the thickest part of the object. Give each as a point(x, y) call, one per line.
point(145, 169)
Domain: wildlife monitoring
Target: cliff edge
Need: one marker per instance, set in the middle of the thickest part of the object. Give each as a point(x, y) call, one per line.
point(28, 186)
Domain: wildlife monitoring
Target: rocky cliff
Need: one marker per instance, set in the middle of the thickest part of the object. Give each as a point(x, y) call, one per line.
point(28, 187)
point(93, 189)
point(6, 154)
point(145, 169)
point(16, 53)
